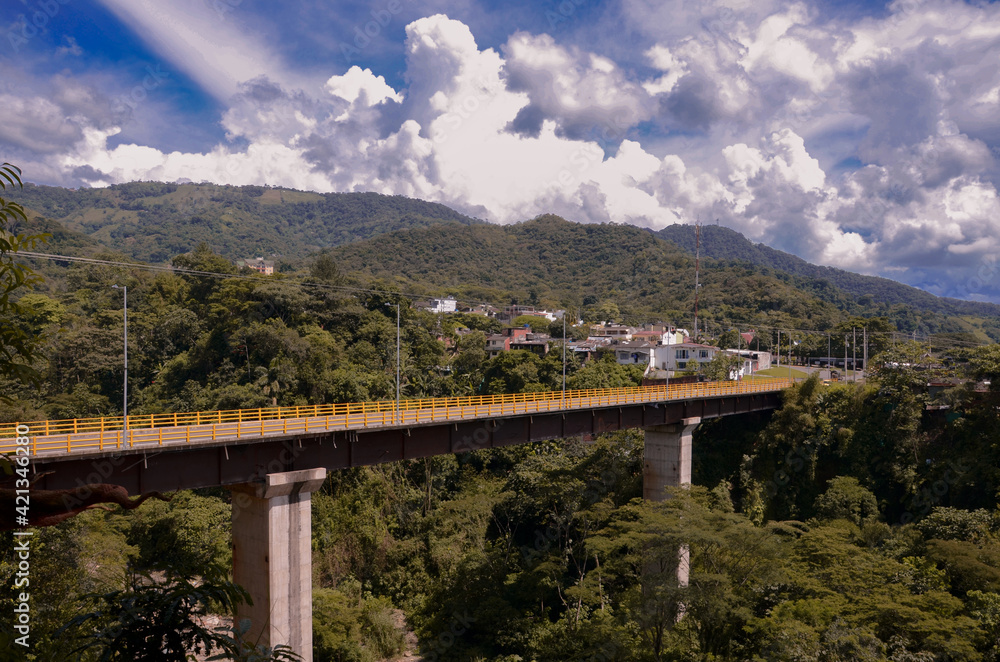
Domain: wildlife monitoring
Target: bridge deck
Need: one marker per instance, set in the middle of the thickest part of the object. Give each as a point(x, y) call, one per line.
point(54, 439)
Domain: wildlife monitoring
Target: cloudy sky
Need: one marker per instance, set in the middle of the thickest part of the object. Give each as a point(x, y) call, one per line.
point(854, 134)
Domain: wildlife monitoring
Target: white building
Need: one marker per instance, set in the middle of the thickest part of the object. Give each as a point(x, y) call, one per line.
point(447, 305)
point(682, 356)
point(753, 360)
point(634, 353)
point(660, 335)
point(617, 332)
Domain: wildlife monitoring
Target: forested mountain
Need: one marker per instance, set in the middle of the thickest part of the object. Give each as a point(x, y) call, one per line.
point(153, 222)
point(729, 246)
point(546, 261)
point(552, 262)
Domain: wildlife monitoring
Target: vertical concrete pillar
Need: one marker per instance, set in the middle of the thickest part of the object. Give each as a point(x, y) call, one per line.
point(272, 557)
point(667, 463)
point(667, 458)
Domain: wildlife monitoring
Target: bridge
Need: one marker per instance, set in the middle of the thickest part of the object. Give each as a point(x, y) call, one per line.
point(272, 459)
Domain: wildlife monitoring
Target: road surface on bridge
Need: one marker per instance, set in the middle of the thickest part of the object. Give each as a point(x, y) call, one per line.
point(53, 439)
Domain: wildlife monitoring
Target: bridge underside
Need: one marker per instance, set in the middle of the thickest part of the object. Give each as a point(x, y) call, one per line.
point(207, 465)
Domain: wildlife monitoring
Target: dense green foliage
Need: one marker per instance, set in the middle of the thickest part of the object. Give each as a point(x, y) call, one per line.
point(801, 549)
point(17, 344)
point(871, 296)
point(153, 222)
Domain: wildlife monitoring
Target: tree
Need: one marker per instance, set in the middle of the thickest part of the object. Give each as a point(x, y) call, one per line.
point(984, 363)
point(729, 340)
point(162, 622)
point(18, 343)
point(733, 565)
point(516, 371)
point(608, 311)
point(723, 366)
point(538, 324)
point(845, 498)
point(605, 372)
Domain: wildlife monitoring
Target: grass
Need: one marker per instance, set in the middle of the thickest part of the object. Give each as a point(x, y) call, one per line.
point(783, 371)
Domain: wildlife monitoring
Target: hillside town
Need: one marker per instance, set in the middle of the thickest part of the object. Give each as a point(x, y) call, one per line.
point(663, 351)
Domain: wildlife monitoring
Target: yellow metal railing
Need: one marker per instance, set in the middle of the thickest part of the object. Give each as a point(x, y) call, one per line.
point(105, 433)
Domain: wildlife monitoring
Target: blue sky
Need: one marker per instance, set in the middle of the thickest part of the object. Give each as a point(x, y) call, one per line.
point(859, 135)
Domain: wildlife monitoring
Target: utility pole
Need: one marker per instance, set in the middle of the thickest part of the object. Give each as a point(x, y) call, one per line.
point(829, 349)
point(846, 343)
point(397, 361)
point(854, 353)
point(865, 360)
point(124, 289)
point(697, 264)
point(395, 418)
point(789, 354)
point(564, 357)
point(778, 352)
point(668, 361)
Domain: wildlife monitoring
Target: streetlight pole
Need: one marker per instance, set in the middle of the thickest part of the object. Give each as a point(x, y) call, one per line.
point(668, 362)
point(789, 354)
point(847, 339)
point(854, 354)
point(564, 358)
point(397, 364)
point(395, 418)
point(124, 289)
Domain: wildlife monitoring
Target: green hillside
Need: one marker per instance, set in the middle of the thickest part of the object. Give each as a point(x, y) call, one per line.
point(727, 245)
point(427, 248)
point(552, 262)
point(153, 222)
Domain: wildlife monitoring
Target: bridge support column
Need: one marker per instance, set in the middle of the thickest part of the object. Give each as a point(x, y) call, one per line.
point(667, 458)
point(667, 463)
point(272, 557)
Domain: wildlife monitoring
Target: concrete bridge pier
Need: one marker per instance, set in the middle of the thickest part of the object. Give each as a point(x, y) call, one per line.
point(272, 557)
point(667, 463)
point(667, 458)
